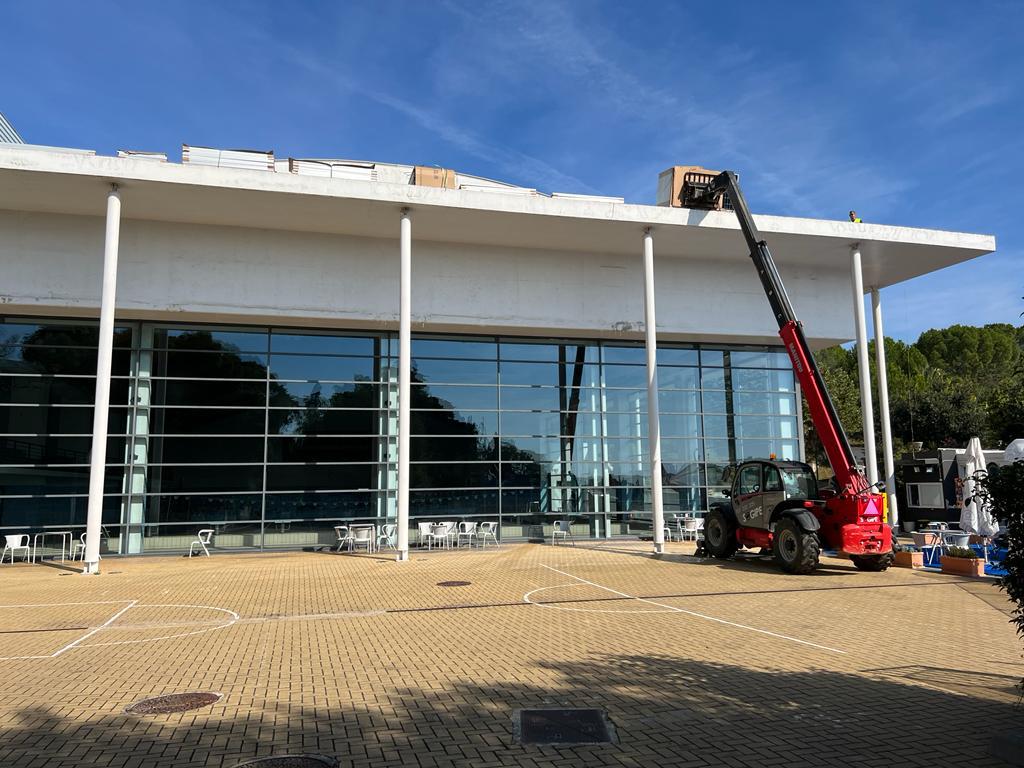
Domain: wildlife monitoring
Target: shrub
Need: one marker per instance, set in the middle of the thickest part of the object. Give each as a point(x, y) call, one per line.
point(1003, 489)
point(963, 552)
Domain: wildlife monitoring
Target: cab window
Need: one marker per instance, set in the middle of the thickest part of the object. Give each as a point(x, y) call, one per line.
point(750, 479)
point(772, 480)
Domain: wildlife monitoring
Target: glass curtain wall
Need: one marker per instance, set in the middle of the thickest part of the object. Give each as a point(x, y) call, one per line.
point(273, 436)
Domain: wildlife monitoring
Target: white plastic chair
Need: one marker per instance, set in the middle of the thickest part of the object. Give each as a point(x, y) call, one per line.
point(426, 533)
point(363, 537)
point(688, 529)
point(450, 532)
point(78, 547)
point(14, 542)
point(466, 531)
point(562, 530)
point(386, 534)
point(344, 537)
point(203, 540)
point(485, 531)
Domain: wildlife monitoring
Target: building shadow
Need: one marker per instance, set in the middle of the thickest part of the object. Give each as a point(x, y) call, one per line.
point(667, 710)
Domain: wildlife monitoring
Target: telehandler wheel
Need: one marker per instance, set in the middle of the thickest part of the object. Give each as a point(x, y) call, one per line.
point(796, 550)
point(873, 562)
point(720, 535)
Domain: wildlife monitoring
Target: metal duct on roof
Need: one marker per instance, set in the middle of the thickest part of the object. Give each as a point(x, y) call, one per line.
point(246, 159)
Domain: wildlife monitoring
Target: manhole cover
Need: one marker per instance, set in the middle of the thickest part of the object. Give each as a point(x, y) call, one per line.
point(291, 761)
point(173, 702)
point(562, 726)
point(453, 583)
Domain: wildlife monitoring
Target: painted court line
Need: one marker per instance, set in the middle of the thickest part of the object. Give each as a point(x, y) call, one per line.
point(698, 615)
point(105, 624)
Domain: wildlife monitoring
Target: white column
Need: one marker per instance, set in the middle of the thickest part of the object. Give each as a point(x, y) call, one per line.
point(883, 407)
point(97, 465)
point(404, 376)
point(863, 369)
point(653, 421)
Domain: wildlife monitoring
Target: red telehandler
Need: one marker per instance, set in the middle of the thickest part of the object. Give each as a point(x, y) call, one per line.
point(776, 505)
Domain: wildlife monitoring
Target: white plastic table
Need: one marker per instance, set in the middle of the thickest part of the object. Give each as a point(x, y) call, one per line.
point(65, 543)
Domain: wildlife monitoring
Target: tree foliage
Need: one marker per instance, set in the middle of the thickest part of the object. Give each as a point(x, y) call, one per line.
point(1003, 489)
point(948, 386)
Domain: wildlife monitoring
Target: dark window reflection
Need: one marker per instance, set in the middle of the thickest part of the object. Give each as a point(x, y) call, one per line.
point(61, 420)
point(476, 448)
point(444, 504)
point(474, 350)
point(340, 506)
point(170, 479)
point(318, 344)
point(316, 477)
point(310, 448)
point(200, 509)
point(207, 421)
point(453, 475)
point(197, 450)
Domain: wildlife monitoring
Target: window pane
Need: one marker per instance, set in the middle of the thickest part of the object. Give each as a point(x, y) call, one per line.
point(195, 450)
point(544, 449)
point(47, 449)
point(635, 355)
point(681, 451)
point(319, 421)
point(712, 357)
point(453, 423)
point(206, 392)
point(204, 479)
point(625, 376)
point(341, 506)
point(754, 379)
point(205, 338)
point(316, 477)
point(67, 420)
point(760, 359)
point(678, 378)
point(209, 365)
point(525, 351)
point(677, 356)
point(453, 475)
point(450, 396)
point(453, 449)
point(766, 426)
point(317, 344)
point(551, 374)
point(455, 371)
point(765, 402)
point(321, 448)
point(23, 481)
point(474, 350)
point(635, 400)
point(317, 367)
point(680, 425)
point(47, 390)
point(445, 505)
point(207, 421)
point(201, 509)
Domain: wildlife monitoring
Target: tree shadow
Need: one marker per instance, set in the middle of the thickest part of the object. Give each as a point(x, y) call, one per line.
point(667, 711)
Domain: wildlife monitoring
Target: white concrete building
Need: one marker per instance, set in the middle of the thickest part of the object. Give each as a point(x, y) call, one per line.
point(256, 351)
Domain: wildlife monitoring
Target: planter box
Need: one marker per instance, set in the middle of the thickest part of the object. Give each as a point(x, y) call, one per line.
point(907, 559)
point(963, 566)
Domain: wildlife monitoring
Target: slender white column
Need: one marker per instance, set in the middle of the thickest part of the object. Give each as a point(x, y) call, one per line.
point(863, 369)
point(404, 376)
point(97, 465)
point(883, 407)
point(653, 420)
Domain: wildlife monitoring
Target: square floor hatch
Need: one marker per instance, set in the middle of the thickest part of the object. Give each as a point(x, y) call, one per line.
point(562, 726)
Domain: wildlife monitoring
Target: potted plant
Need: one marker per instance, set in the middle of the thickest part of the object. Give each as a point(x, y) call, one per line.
point(906, 556)
point(962, 561)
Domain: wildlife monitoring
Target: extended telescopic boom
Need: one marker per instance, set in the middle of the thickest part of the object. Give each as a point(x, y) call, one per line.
point(849, 476)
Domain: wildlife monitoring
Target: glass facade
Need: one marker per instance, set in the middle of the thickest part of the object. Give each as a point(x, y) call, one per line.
point(273, 436)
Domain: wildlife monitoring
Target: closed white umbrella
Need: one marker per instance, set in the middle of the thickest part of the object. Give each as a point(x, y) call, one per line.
point(1014, 451)
point(976, 516)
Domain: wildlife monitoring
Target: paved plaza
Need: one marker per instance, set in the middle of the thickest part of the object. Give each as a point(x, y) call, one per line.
point(372, 662)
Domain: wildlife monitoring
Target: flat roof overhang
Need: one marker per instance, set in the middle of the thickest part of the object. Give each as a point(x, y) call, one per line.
point(76, 183)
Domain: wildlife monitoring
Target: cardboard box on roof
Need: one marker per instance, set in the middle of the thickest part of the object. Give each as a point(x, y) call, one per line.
point(425, 176)
point(670, 183)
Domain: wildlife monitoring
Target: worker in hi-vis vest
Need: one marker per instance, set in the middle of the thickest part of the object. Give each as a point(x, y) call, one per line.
point(855, 218)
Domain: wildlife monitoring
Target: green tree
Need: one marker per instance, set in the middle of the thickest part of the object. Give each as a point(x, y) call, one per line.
point(982, 355)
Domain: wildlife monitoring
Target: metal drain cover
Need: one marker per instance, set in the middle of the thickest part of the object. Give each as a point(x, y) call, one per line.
point(562, 726)
point(291, 761)
point(453, 583)
point(173, 702)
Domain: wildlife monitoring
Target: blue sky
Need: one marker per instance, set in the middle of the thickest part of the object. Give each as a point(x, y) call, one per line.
point(909, 112)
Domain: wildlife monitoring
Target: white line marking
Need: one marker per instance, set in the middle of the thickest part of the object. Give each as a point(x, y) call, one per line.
point(559, 607)
point(102, 626)
point(234, 619)
point(694, 613)
point(62, 605)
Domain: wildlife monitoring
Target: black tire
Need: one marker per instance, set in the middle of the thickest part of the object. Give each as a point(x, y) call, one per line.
point(720, 535)
point(873, 562)
point(796, 550)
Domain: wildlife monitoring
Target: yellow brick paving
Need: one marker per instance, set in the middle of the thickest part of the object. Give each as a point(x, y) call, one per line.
point(370, 661)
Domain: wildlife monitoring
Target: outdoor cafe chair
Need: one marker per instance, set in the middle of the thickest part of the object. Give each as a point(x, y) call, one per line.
point(14, 542)
point(426, 533)
point(344, 536)
point(386, 534)
point(562, 530)
point(78, 547)
point(466, 531)
point(202, 540)
point(485, 531)
point(449, 531)
point(363, 536)
point(688, 528)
